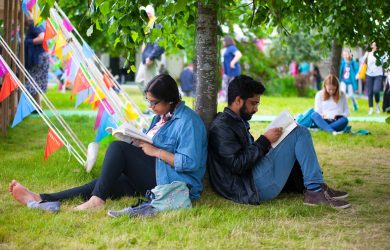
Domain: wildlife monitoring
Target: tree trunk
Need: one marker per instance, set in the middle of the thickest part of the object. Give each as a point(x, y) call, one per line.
point(206, 61)
point(336, 58)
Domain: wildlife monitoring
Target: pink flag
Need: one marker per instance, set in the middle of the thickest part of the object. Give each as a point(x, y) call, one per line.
point(99, 116)
point(31, 4)
point(108, 106)
point(67, 25)
point(3, 69)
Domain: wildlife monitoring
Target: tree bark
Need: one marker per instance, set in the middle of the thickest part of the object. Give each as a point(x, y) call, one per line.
point(336, 58)
point(206, 61)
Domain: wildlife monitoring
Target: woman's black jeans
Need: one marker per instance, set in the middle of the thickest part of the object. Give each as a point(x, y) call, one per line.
point(126, 171)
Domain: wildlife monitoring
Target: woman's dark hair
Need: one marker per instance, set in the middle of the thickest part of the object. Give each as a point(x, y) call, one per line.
point(164, 87)
point(244, 87)
point(228, 41)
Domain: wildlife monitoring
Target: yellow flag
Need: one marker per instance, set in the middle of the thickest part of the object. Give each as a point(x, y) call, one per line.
point(36, 12)
point(130, 112)
point(59, 44)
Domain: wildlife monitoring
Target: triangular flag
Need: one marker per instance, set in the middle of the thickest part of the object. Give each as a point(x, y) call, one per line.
point(3, 68)
point(105, 122)
point(50, 32)
point(80, 82)
point(8, 86)
point(97, 96)
point(24, 7)
point(36, 12)
point(30, 4)
point(24, 109)
point(53, 143)
point(59, 44)
point(107, 81)
point(73, 71)
point(99, 117)
point(67, 25)
point(82, 96)
point(87, 51)
point(130, 112)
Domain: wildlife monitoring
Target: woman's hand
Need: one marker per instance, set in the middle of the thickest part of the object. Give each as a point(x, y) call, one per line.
point(232, 65)
point(148, 148)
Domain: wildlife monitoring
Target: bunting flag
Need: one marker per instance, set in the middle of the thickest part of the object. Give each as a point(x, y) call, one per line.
point(53, 143)
point(80, 82)
point(24, 109)
point(73, 72)
point(82, 96)
point(24, 7)
point(106, 121)
point(107, 81)
point(61, 42)
point(3, 68)
point(50, 32)
point(97, 96)
point(130, 112)
point(36, 12)
point(99, 117)
point(87, 51)
point(67, 25)
point(8, 86)
point(30, 4)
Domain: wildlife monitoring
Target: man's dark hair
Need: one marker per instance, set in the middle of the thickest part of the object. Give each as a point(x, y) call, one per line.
point(244, 87)
point(164, 87)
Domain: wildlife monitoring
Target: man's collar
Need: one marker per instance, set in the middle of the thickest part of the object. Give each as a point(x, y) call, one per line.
point(230, 112)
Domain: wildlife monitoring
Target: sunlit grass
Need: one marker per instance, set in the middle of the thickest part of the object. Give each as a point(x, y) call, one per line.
point(358, 164)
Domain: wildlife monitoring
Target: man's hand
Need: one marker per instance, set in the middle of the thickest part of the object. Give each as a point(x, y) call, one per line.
point(148, 148)
point(148, 61)
point(273, 134)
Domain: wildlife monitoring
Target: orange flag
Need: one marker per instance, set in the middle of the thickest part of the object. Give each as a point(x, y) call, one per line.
point(52, 143)
point(50, 32)
point(8, 86)
point(80, 82)
point(107, 81)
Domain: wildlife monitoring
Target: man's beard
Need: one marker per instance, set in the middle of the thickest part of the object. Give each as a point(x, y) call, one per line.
point(244, 114)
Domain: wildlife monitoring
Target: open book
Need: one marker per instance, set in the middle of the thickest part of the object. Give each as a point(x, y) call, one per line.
point(127, 133)
point(285, 121)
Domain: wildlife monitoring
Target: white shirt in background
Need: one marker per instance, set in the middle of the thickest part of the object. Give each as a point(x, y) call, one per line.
point(329, 108)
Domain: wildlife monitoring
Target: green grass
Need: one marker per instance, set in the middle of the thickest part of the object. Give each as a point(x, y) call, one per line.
point(357, 164)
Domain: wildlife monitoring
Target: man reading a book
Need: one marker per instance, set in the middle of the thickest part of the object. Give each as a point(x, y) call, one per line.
point(248, 170)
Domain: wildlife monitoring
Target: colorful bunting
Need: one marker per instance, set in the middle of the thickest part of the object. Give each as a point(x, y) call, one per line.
point(24, 109)
point(53, 143)
point(67, 25)
point(130, 112)
point(24, 7)
point(87, 51)
point(106, 121)
point(50, 32)
point(82, 96)
point(3, 68)
point(36, 12)
point(30, 4)
point(8, 86)
point(107, 81)
point(99, 117)
point(80, 82)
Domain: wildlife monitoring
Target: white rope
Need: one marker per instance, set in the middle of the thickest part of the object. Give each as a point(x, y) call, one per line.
point(46, 119)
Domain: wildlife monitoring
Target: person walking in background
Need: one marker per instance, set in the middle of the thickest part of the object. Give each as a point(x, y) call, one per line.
point(294, 71)
point(348, 71)
point(317, 77)
point(36, 59)
point(374, 78)
point(187, 80)
point(331, 107)
point(231, 65)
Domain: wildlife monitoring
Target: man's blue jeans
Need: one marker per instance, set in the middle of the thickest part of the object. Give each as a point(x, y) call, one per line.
point(271, 173)
point(328, 125)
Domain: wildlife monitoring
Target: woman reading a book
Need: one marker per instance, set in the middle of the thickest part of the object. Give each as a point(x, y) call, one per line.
point(331, 107)
point(178, 153)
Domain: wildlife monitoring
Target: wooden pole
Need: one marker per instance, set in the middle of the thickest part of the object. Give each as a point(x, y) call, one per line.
point(7, 34)
point(13, 98)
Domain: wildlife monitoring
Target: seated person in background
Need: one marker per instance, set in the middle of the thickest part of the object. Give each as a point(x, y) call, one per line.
point(187, 80)
point(178, 153)
point(331, 107)
point(250, 171)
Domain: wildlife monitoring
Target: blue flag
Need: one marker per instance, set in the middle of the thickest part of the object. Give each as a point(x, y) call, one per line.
point(82, 95)
point(106, 122)
point(24, 109)
point(87, 51)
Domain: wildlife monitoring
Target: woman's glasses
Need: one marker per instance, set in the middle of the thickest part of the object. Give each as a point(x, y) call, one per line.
point(152, 103)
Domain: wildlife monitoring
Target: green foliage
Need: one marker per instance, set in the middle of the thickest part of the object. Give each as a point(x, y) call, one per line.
point(284, 86)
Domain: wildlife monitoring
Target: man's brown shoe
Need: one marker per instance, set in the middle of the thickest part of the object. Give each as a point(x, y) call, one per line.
point(335, 194)
point(318, 198)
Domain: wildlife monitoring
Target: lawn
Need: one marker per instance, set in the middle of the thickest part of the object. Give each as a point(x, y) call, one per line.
point(357, 164)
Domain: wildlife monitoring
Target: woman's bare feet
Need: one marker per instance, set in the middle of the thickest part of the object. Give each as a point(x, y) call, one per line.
point(94, 202)
point(22, 194)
